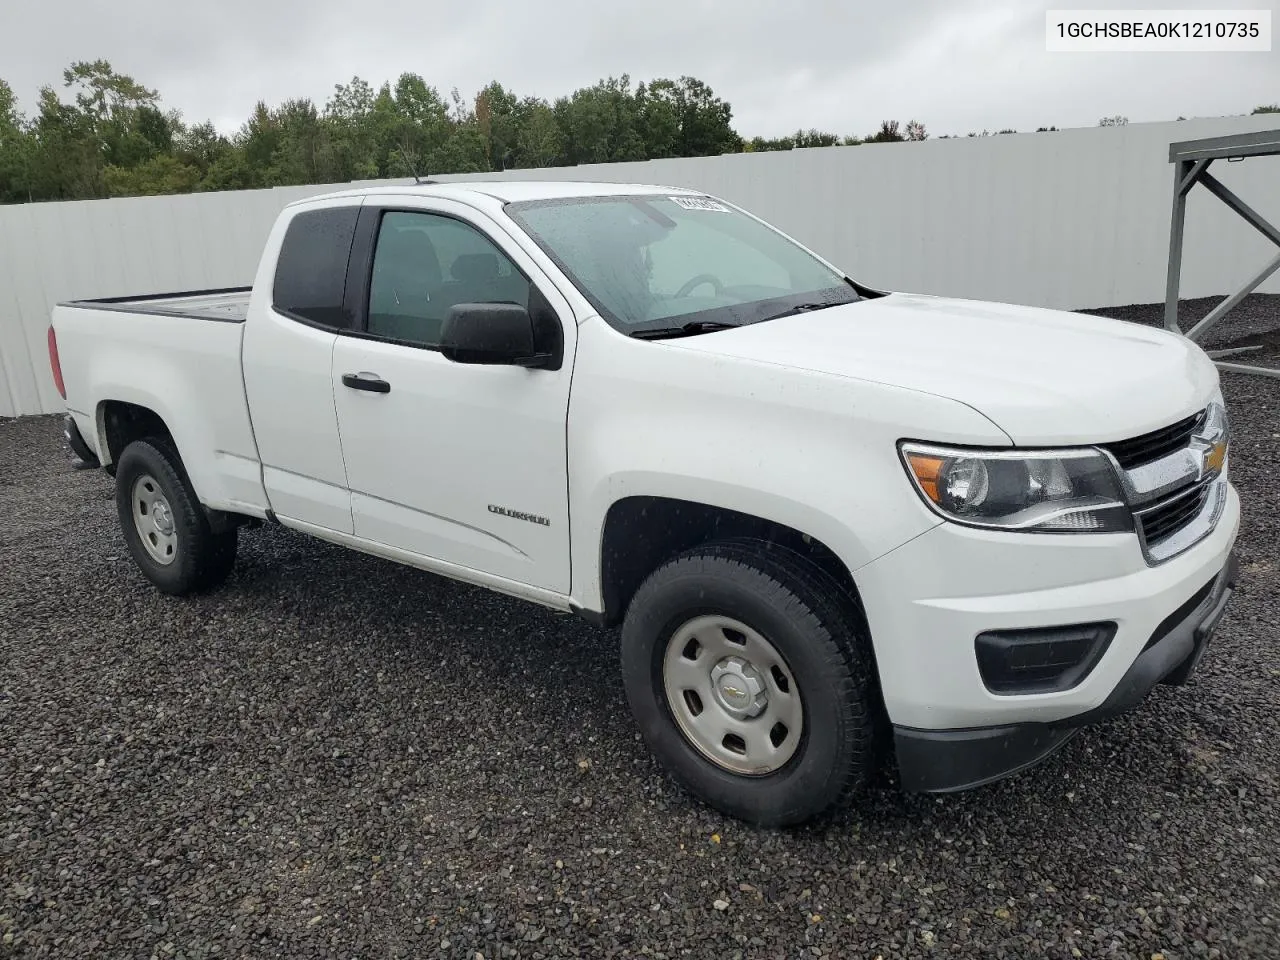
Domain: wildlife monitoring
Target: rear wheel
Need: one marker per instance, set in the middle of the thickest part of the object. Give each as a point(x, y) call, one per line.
point(164, 526)
point(750, 675)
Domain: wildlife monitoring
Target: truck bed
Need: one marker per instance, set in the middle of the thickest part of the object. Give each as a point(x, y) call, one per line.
point(227, 305)
point(150, 352)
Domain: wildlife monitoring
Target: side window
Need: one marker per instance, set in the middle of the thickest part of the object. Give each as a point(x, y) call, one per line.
point(424, 264)
point(311, 271)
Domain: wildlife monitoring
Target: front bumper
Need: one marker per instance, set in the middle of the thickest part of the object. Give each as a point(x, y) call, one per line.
point(947, 760)
point(927, 602)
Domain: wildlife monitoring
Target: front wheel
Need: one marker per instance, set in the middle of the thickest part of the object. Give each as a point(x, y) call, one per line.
point(163, 523)
point(751, 678)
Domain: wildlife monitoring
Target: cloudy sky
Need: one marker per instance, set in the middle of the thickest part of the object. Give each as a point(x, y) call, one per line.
point(840, 65)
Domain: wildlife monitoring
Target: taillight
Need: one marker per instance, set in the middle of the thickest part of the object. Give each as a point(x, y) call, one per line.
point(56, 364)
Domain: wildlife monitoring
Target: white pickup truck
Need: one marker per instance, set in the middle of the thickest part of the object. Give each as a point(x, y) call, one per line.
point(829, 519)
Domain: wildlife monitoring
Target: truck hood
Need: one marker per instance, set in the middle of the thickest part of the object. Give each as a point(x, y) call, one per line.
point(1042, 376)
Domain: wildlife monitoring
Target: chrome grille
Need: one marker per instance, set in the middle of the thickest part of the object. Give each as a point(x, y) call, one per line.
point(1137, 451)
point(1172, 514)
point(1176, 495)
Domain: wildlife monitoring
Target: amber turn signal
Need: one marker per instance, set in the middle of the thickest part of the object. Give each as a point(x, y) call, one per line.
point(926, 470)
point(1216, 457)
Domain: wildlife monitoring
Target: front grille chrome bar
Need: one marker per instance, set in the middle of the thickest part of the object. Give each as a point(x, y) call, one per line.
point(1178, 498)
point(1212, 498)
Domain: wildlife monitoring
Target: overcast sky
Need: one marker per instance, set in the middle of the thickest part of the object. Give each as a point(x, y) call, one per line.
point(839, 65)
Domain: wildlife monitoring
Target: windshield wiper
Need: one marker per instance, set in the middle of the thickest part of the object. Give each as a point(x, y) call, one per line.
point(802, 308)
point(687, 330)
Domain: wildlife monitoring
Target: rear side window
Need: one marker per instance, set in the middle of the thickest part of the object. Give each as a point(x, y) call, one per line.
point(311, 272)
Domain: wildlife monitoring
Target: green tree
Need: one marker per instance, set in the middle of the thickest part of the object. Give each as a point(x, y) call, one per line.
point(888, 133)
point(303, 152)
point(410, 126)
point(497, 118)
point(349, 118)
point(704, 120)
point(762, 145)
point(538, 140)
point(1267, 108)
point(15, 148)
point(599, 124)
point(107, 134)
point(102, 93)
point(465, 151)
point(200, 146)
point(230, 171)
point(123, 115)
point(259, 139)
point(163, 174)
point(815, 138)
point(67, 158)
point(659, 120)
point(112, 122)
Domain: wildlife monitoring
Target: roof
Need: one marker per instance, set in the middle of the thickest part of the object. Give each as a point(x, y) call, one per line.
point(510, 191)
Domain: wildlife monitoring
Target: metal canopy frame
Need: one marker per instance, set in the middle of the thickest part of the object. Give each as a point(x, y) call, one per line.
point(1191, 159)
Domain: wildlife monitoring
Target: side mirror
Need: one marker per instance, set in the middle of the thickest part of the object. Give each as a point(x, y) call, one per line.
point(490, 333)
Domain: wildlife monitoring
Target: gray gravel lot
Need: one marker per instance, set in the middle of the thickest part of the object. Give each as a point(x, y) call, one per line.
point(333, 756)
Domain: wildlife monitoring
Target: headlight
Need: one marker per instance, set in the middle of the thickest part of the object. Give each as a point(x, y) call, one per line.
point(1054, 491)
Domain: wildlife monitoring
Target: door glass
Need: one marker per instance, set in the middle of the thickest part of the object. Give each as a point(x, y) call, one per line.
point(423, 265)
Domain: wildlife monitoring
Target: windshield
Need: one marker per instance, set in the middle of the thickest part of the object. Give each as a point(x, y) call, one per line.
point(651, 262)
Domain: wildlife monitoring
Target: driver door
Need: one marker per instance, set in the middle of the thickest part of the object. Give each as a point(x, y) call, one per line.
point(461, 463)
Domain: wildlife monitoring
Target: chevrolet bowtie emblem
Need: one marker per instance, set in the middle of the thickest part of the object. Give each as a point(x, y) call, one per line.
point(1215, 457)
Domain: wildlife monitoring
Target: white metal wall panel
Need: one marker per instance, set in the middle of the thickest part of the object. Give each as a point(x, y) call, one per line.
point(1070, 219)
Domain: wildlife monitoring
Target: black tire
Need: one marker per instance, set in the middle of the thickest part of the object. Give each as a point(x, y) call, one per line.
point(817, 628)
point(202, 558)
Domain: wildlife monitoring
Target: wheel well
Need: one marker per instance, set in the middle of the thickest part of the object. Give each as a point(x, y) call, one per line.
point(122, 423)
point(642, 533)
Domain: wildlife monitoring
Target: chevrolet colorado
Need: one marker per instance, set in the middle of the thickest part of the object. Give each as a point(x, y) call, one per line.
point(830, 520)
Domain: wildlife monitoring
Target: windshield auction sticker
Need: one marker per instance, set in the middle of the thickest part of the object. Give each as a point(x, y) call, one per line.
point(699, 203)
point(1158, 31)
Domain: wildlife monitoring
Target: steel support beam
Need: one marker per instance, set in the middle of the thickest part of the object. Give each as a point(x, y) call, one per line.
point(1191, 164)
point(1259, 143)
point(1249, 368)
point(1218, 312)
point(1190, 179)
point(1183, 181)
point(1251, 216)
point(1231, 351)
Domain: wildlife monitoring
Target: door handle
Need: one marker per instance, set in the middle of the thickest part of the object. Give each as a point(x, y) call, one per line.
point(369, 382)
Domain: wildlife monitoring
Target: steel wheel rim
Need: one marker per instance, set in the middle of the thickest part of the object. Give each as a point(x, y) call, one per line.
point(153, 519)
point(732, 695)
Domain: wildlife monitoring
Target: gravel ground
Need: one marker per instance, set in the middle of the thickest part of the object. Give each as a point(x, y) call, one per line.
point(333, 756)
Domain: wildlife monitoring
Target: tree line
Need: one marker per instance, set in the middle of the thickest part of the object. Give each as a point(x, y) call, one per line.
point(104, 134)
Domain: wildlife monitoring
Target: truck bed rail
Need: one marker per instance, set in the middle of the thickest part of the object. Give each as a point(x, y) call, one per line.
point(225, 304)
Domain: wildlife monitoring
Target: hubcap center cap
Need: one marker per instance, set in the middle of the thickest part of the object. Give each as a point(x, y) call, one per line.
point(734, 690)
point(739, 687)
point(161, 517)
